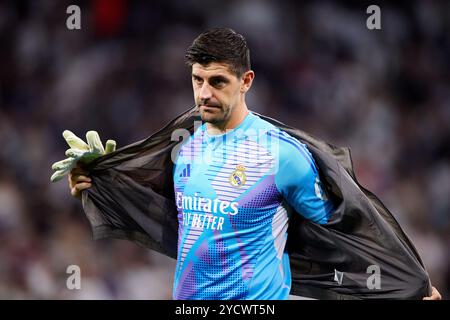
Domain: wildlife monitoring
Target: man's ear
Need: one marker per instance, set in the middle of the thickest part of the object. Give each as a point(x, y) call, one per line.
point(247, 80)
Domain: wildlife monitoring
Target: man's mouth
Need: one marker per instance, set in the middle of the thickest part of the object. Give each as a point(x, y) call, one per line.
point(209, 106)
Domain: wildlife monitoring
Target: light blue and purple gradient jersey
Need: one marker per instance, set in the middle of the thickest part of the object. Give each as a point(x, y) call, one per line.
point(234, 193)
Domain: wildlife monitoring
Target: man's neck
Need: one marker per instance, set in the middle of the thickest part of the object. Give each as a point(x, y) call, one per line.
point(234, 121)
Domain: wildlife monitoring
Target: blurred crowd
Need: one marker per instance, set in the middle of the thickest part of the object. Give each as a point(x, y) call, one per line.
point(384, 93)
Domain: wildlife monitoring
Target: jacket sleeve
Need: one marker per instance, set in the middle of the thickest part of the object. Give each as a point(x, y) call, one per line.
point(132, 195)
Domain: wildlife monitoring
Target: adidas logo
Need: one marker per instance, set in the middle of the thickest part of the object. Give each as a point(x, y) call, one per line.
point(186, 171)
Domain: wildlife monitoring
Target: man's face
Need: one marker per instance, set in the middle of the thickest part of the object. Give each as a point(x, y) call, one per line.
point(217, 91)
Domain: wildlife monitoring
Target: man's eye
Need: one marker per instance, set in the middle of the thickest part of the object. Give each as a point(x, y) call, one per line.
point(217, 83)
point(198, 80)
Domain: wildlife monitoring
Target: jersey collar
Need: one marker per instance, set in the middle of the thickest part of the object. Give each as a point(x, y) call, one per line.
point(237, 133)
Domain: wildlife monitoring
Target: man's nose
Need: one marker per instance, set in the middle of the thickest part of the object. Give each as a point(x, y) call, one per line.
point(205, 92)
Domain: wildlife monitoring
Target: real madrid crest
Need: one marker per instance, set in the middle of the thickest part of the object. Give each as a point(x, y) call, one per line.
point(238, 177)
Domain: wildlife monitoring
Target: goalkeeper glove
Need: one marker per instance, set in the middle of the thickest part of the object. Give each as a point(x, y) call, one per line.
point(80, 151)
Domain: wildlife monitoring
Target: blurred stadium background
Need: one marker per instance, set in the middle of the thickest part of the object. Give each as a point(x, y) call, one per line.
point(385, 93)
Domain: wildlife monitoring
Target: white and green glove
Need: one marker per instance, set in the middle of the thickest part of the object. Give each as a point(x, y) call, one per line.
point(80, 151)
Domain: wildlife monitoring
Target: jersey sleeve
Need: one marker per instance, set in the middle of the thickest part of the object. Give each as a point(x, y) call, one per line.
point(298, 181)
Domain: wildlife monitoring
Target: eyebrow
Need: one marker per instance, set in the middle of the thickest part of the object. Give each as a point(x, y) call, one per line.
point(220, 78)
point(215, 77)
point(212, 78)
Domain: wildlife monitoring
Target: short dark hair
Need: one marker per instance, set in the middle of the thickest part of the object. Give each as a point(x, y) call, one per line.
point(220, 45)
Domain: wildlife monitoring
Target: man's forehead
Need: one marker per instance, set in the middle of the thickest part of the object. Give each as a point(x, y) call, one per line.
point(212, 69)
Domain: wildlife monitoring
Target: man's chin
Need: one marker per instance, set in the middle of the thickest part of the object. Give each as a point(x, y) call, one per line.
point(212, 117)
point(208, 117)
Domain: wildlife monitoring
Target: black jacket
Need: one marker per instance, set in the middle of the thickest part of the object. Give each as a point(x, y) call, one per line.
point(132, 197)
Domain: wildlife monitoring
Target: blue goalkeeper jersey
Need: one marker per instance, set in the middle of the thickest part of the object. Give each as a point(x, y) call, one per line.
point(234, 193)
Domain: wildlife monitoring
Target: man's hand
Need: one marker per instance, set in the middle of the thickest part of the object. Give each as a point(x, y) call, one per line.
point(435, 295)
point(78, 181)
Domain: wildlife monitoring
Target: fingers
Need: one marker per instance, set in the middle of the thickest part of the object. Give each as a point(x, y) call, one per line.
point(81, 186)
point(80, 153)
point(435, 295)
point(78, 180)
point(95, 144)
point(58, 175)
point(76, 190)
point(63, 164)
point(73, 141)
point(75, 153)
point(75, 179)
point(110, 146)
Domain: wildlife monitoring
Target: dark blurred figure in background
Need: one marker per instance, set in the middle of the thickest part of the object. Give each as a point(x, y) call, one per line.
point(386, 90)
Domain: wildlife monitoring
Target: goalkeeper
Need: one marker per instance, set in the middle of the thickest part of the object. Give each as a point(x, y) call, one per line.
point(233, 216)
